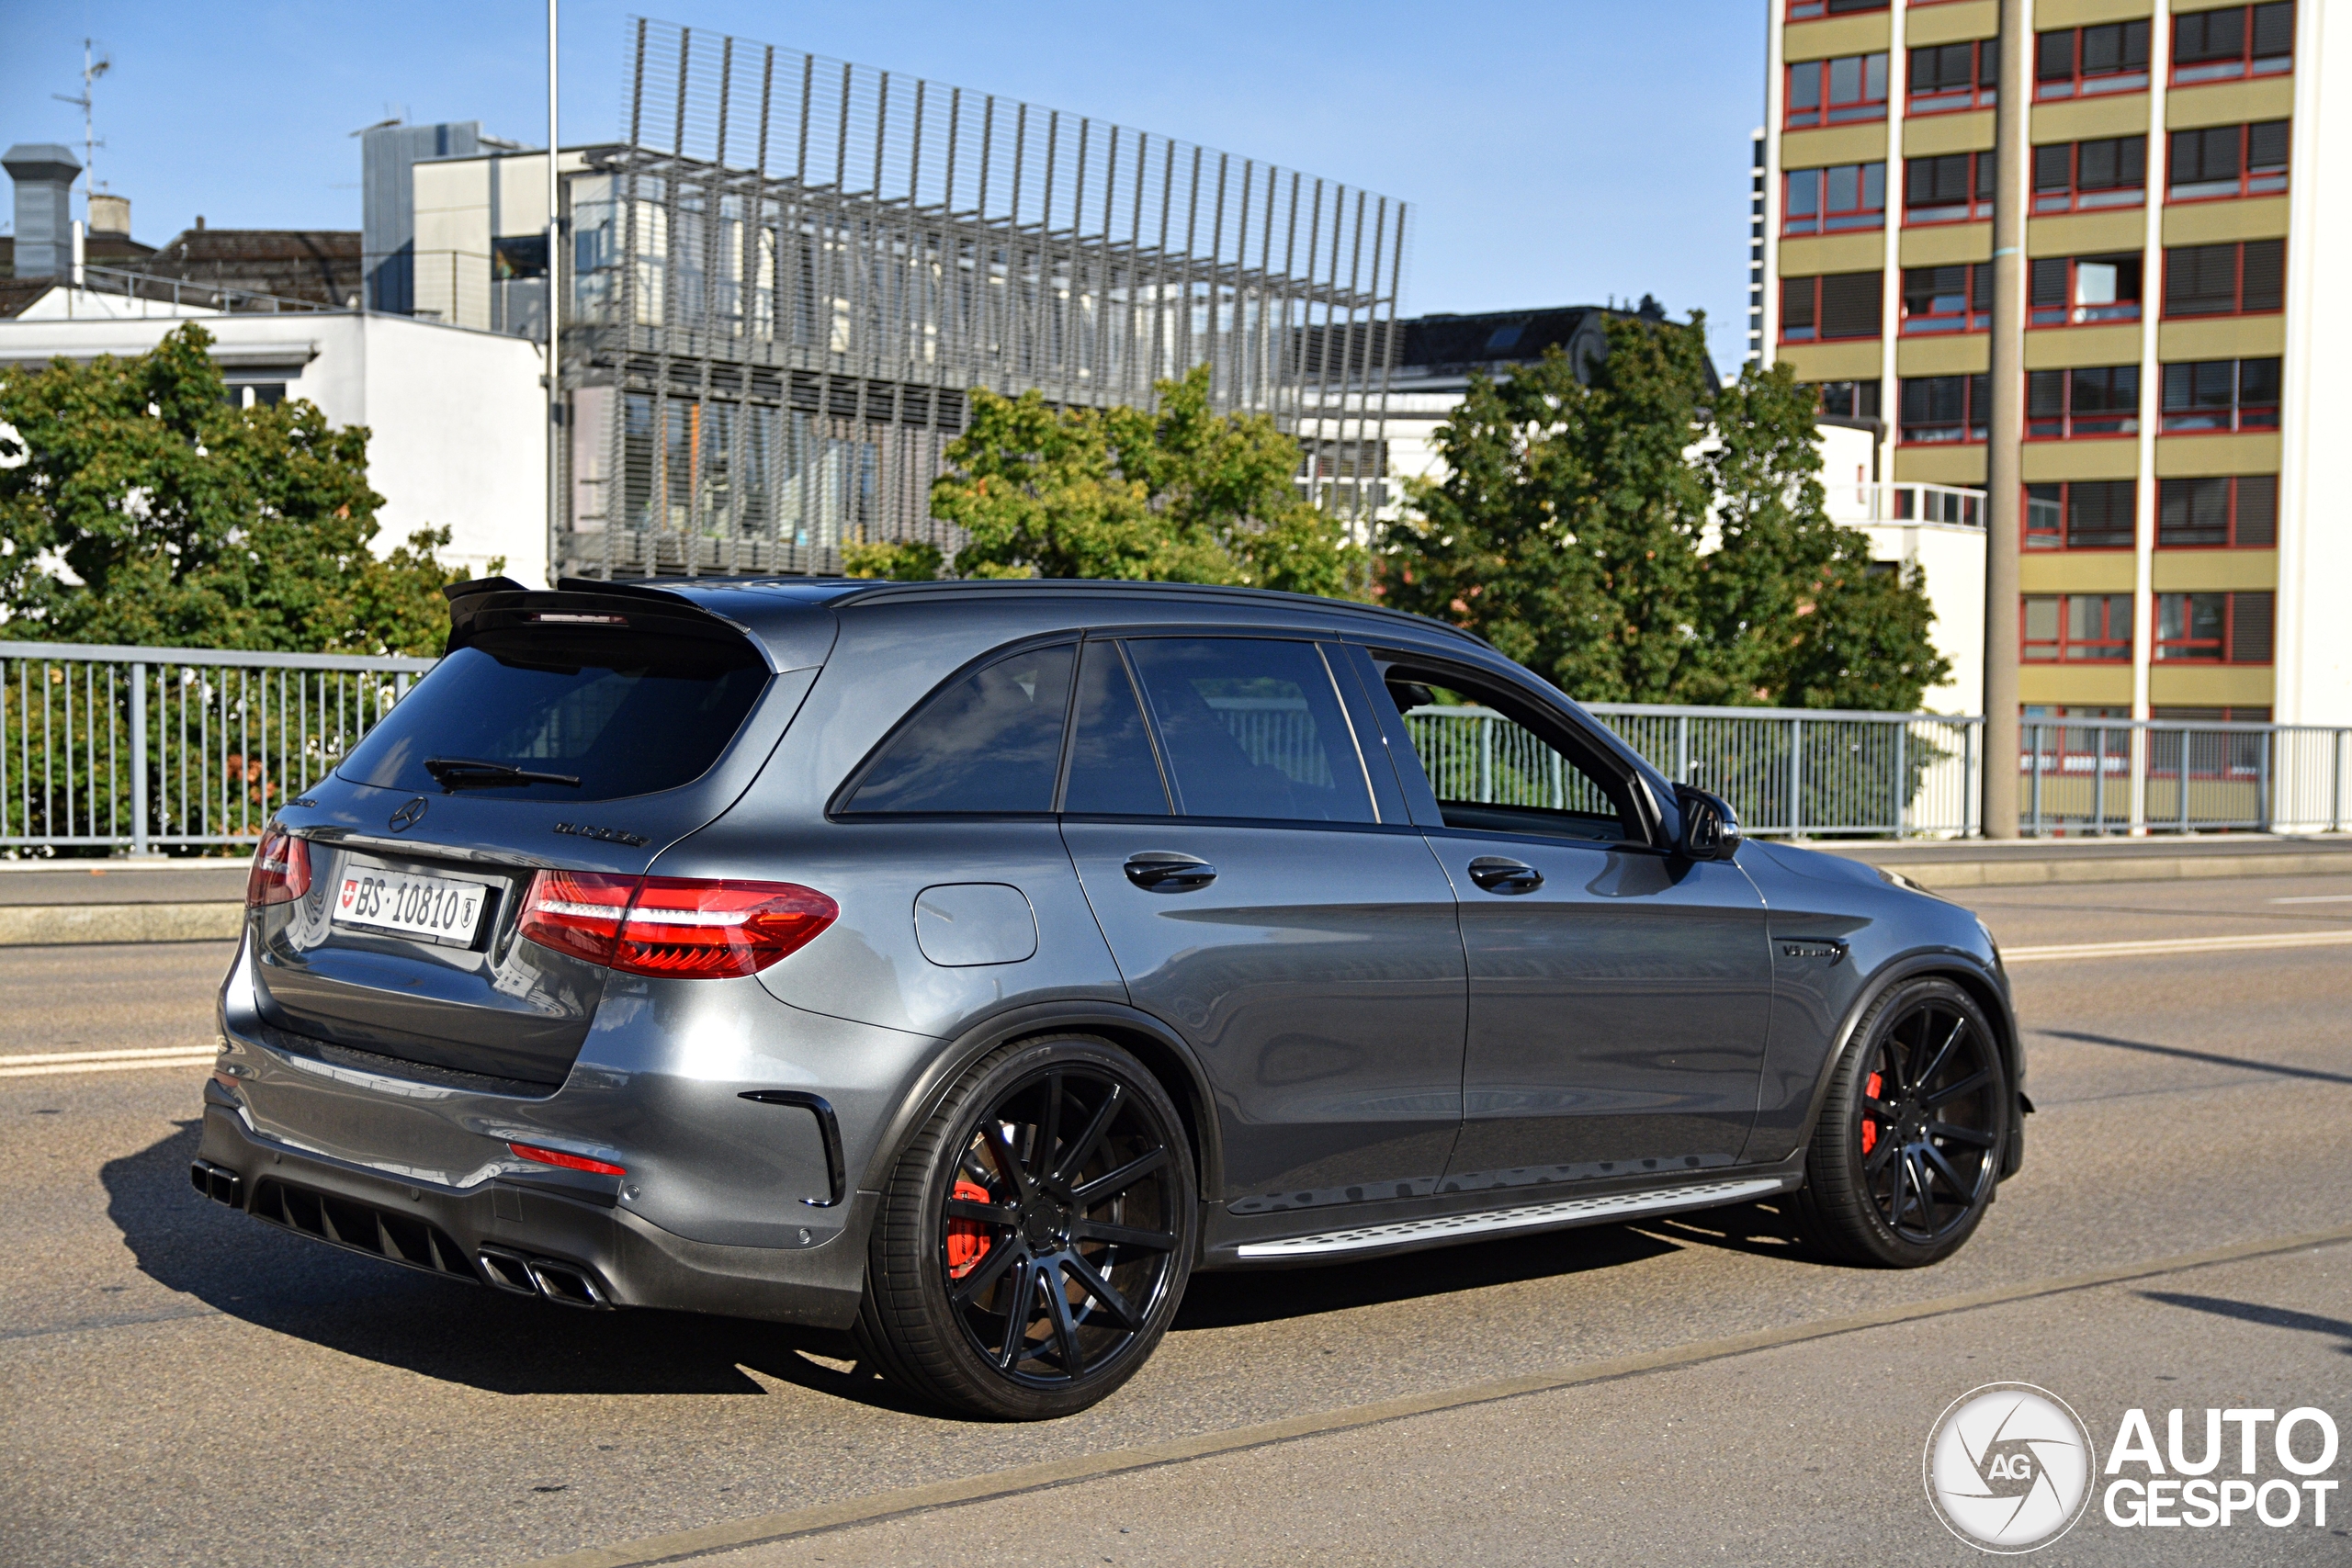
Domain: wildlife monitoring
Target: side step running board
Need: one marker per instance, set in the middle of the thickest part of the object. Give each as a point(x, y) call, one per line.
point(1567, 1211)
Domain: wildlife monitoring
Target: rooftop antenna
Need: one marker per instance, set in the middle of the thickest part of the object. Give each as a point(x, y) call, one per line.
point(93, 67)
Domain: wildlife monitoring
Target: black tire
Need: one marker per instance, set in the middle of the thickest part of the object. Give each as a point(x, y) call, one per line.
point(1056, 1170)
point(1907, 1153)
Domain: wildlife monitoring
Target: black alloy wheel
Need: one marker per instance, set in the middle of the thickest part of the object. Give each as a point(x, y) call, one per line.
point(1037, 1236)
point(1907, 1153)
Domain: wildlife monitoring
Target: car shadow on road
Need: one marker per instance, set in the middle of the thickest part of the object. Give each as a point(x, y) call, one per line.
point(436, 1327)
point(2254, 1312)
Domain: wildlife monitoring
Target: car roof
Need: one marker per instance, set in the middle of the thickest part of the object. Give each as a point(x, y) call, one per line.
point(846, 594)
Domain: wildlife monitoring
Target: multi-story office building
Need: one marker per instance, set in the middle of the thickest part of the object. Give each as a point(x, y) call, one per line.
point(2190, 201)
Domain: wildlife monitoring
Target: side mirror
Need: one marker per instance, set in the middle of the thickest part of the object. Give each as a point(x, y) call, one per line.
point(1710, 830)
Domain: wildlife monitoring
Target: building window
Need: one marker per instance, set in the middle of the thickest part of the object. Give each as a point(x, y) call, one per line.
point(1940, 409)
point(2243, 40)
point(1954, 76)
point(1947, 299)
point(2064, 405)
point(2076, 62)
point(1849, 399)
point(2213, 628)
point(1806, 10)
point(1845, 196)
point(1841, 305)
point(2245, 280)
point(2081, 176)
point(1833, 92)
point(2066, 291)
point(2073, 629)
point(1950, 189)
point(2221, 394)
point(2225, 511)
point(2084, 515)
point(2227, 159)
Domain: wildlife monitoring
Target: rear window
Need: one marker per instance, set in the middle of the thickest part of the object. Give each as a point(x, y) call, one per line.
point(625, 712)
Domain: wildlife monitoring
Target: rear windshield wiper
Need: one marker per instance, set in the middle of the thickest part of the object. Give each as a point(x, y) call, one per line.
point(467, 773)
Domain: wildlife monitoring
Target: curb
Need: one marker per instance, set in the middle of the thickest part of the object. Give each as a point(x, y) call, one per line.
point(2133, 868)
point(75, 925)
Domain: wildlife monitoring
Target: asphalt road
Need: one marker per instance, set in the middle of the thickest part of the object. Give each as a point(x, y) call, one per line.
point(185, 1386)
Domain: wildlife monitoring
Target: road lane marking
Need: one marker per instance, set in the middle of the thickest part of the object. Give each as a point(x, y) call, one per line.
point(768, 1527)
point(2175, 945)
point(45, 1063)
point(2317, 899)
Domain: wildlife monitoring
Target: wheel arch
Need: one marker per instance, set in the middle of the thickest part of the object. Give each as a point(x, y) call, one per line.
point(1161, 1050)
point(1991, 998)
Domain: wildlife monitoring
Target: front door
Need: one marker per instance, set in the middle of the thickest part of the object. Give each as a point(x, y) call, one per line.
point(1234, 852)
point(1619, 995)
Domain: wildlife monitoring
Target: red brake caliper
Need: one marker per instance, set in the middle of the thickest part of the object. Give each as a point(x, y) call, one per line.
point(1870, 1129)
point(968, 1240)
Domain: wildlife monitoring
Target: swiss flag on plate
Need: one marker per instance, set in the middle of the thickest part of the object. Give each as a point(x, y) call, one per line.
point(350, 888)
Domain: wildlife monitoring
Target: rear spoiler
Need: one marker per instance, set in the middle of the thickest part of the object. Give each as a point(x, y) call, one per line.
point(584, 606)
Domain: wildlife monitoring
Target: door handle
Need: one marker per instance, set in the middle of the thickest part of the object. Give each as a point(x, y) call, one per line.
point(1497, 874)
point(1163, 872)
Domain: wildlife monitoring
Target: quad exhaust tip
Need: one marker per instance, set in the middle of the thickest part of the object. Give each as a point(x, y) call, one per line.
point(217, 1182)
point(566, 1284)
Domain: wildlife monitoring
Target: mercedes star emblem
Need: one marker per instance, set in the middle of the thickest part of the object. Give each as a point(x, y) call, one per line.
point(408, 816)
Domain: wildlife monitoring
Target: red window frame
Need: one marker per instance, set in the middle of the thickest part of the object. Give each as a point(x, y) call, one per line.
point(2057, 508)
point(2187, 407)
point(1977, 408)
point(2269, 180)
point(2073, 196)
point(1820, 330)
point(1826, 109)
point(2080, 82)
point(1979, 93)
point(1975, 312)
point(1806, 10)
point(2245, 63)
point(1827, 219)
point(2072, 311)
point(2067, 420)
point(1976, 207)
point(2181, 639)
point(2237, 287)
point(2106, 636)
point(2235, 494)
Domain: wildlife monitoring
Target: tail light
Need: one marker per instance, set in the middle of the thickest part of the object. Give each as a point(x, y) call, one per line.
point(692, 928)
point(281, 871)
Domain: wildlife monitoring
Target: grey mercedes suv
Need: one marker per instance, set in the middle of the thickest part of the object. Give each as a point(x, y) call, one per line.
point(964, 964)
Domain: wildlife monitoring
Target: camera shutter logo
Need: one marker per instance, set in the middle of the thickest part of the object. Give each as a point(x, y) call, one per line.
point(2008, 1468)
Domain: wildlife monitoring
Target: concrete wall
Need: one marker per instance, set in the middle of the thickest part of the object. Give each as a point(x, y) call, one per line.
point(455, 417)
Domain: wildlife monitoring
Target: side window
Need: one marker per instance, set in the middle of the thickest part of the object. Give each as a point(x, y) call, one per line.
point(990, 742)
point(1495, 766)
point(1251, 727)
point(1111, 770)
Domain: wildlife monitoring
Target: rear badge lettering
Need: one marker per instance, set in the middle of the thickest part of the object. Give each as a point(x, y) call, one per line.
point(608, 835)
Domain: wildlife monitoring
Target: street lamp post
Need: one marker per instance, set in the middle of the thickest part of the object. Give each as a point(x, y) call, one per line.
point(555, 324)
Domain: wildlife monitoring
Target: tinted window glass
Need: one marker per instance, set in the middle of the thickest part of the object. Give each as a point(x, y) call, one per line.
point(989, 742)
point(622, 713)
point(1251, 728)
point(1111, 770)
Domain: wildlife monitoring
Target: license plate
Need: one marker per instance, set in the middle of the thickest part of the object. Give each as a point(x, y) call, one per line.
point(432, 909)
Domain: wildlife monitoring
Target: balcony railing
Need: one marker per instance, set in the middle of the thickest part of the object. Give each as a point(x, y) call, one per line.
point(1952, 505)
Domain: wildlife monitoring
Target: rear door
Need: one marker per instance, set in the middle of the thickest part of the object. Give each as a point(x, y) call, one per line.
point(566, 732)
point(1265, 897)
point(1619, 995)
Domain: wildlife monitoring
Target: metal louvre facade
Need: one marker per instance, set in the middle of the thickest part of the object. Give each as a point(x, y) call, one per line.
point(791, 271)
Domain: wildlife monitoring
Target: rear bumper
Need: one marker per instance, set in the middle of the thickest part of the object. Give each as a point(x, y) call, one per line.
point(526, 1238)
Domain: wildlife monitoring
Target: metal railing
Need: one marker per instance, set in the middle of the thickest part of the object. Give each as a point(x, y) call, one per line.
point(1905, 502)
point(151, 747)
point(185, 294)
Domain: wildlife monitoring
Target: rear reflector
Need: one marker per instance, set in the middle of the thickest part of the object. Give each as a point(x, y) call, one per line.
point(692, 928)
point(569, 1162)
point(281, 871)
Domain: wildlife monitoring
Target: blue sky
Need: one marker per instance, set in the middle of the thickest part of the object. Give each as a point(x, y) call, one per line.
point(1554, 153)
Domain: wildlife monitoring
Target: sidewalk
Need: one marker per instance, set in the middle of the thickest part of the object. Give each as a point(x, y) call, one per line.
point(1982, 862)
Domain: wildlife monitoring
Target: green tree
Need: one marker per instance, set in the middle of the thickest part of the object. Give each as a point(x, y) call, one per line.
point(138, 506)
point(1655, 538)
point(1182, 495)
